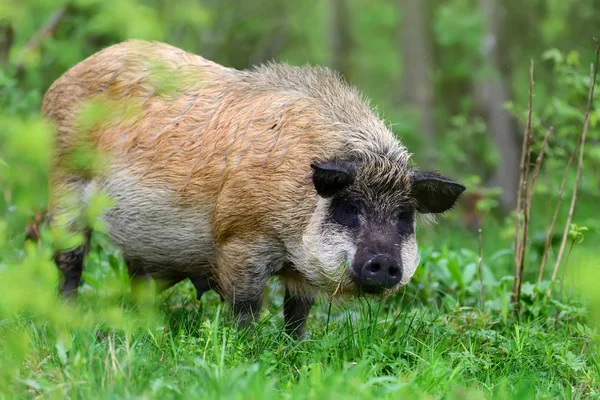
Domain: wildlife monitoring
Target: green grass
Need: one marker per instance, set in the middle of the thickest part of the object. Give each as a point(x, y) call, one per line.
point(440, 344)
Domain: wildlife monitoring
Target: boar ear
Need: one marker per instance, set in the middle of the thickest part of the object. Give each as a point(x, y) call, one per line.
point(330, 177)
point(434, 193)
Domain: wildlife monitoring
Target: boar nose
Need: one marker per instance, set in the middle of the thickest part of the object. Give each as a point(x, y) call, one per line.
point(382, 271)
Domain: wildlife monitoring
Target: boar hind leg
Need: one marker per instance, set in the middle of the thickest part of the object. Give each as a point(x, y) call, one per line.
point(203, 285)
point(70, 264)
point(141, 279)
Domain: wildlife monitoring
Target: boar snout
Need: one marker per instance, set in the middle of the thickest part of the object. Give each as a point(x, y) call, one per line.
point(379, 273)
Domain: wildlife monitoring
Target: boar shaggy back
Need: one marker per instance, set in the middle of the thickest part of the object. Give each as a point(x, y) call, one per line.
point(227, 177)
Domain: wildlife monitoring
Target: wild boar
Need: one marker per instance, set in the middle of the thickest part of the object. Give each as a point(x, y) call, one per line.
point(237, 175)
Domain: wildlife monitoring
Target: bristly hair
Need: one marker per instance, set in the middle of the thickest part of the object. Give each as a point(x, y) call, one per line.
point(346, 110)
point(428, 219)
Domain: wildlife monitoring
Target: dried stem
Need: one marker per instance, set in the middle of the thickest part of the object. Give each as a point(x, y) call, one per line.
point(522, 191)
point(528, 197)
point(586, 122)
point(538, 165)
point(32, 231)
point(558, 204)
point(564, 272)
point(479, 268)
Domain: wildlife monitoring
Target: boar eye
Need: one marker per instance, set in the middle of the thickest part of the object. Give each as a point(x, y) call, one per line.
point(405, 221)
point(405, 215)
point(345, 212)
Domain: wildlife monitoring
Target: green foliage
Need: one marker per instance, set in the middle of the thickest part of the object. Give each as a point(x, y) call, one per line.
point(576, 233)
point(567, 112)
point(453, 273)
point(462, 143)
point(458, 28)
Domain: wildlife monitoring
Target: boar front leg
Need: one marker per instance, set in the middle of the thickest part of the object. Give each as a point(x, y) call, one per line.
point(243, 271)
point(139, 277)
point(296, 307)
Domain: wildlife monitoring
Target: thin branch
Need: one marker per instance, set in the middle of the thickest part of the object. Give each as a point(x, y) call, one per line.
point(528, 189)
point(479, 268)
point(586, 122)
point(528, 197)
point(556, 211)
point(523, 180)
point(538, 164)
point(564, 272)
point(42, 34)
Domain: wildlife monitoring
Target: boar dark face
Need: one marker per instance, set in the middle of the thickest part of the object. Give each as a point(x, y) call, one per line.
point(371, 209)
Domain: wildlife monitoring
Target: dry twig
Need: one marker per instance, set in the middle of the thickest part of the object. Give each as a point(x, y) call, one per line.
point(480, 269)
point(558, 204)
point(528, 197)
point(538, 165)
point(586, 122)
point(522, 193)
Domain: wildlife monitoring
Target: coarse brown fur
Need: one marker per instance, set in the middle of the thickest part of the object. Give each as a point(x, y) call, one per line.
point(215, 162)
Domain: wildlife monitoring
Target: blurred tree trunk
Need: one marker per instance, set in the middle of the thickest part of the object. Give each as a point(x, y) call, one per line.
point(6, 41)
point(340, 39)
point(417, 85)
point(270, 45)
point(491, 95)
